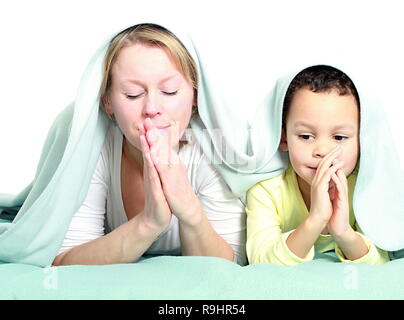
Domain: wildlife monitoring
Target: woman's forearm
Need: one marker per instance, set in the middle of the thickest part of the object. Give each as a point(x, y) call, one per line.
point(125, 244)
point(200, 239)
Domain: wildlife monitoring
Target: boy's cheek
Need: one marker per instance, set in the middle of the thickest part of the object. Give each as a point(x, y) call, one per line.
point(299, 154)
point(350, 163)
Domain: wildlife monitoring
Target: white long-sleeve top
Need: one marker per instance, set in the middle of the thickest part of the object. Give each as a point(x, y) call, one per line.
point(102, 211)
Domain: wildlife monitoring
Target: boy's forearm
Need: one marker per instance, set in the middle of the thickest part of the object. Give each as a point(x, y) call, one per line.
point(352, 245)
point(303, 238)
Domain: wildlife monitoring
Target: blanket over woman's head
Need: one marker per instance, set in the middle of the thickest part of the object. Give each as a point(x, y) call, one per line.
point(34, 222)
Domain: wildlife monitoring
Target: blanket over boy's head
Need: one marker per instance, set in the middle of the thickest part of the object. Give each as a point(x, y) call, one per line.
point(378, 199)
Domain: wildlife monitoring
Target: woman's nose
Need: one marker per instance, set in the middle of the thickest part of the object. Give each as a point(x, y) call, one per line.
point(152, 107)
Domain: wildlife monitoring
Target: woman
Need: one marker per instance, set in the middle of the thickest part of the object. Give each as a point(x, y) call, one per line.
point(154, 193)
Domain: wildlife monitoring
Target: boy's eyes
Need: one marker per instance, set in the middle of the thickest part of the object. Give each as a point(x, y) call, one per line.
point(340, 138)
point(305, 136)
point(309, 137)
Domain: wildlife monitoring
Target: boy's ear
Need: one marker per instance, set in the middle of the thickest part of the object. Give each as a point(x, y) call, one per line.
point(283, 146)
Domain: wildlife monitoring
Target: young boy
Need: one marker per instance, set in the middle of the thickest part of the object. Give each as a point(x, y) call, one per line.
point(308, 208)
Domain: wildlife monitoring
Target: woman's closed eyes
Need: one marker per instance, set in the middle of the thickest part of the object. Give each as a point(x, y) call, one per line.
point(135, 96)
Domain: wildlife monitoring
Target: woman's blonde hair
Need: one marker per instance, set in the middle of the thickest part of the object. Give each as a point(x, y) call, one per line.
point(153, 35)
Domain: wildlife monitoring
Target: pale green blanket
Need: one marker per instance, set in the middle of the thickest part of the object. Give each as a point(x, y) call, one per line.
point(204, 278)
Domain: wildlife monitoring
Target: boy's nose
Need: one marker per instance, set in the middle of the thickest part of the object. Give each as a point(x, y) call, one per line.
point(322, 149)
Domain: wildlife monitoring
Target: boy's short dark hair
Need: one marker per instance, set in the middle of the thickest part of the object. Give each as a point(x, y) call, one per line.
point(320, 78)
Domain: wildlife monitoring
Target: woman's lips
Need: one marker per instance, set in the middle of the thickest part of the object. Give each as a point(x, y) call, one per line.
point(163, 127)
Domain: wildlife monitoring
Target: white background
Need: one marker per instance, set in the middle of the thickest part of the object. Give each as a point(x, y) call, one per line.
point(45, 46)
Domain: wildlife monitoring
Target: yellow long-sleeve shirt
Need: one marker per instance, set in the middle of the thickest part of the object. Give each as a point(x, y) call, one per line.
point(275, 208)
